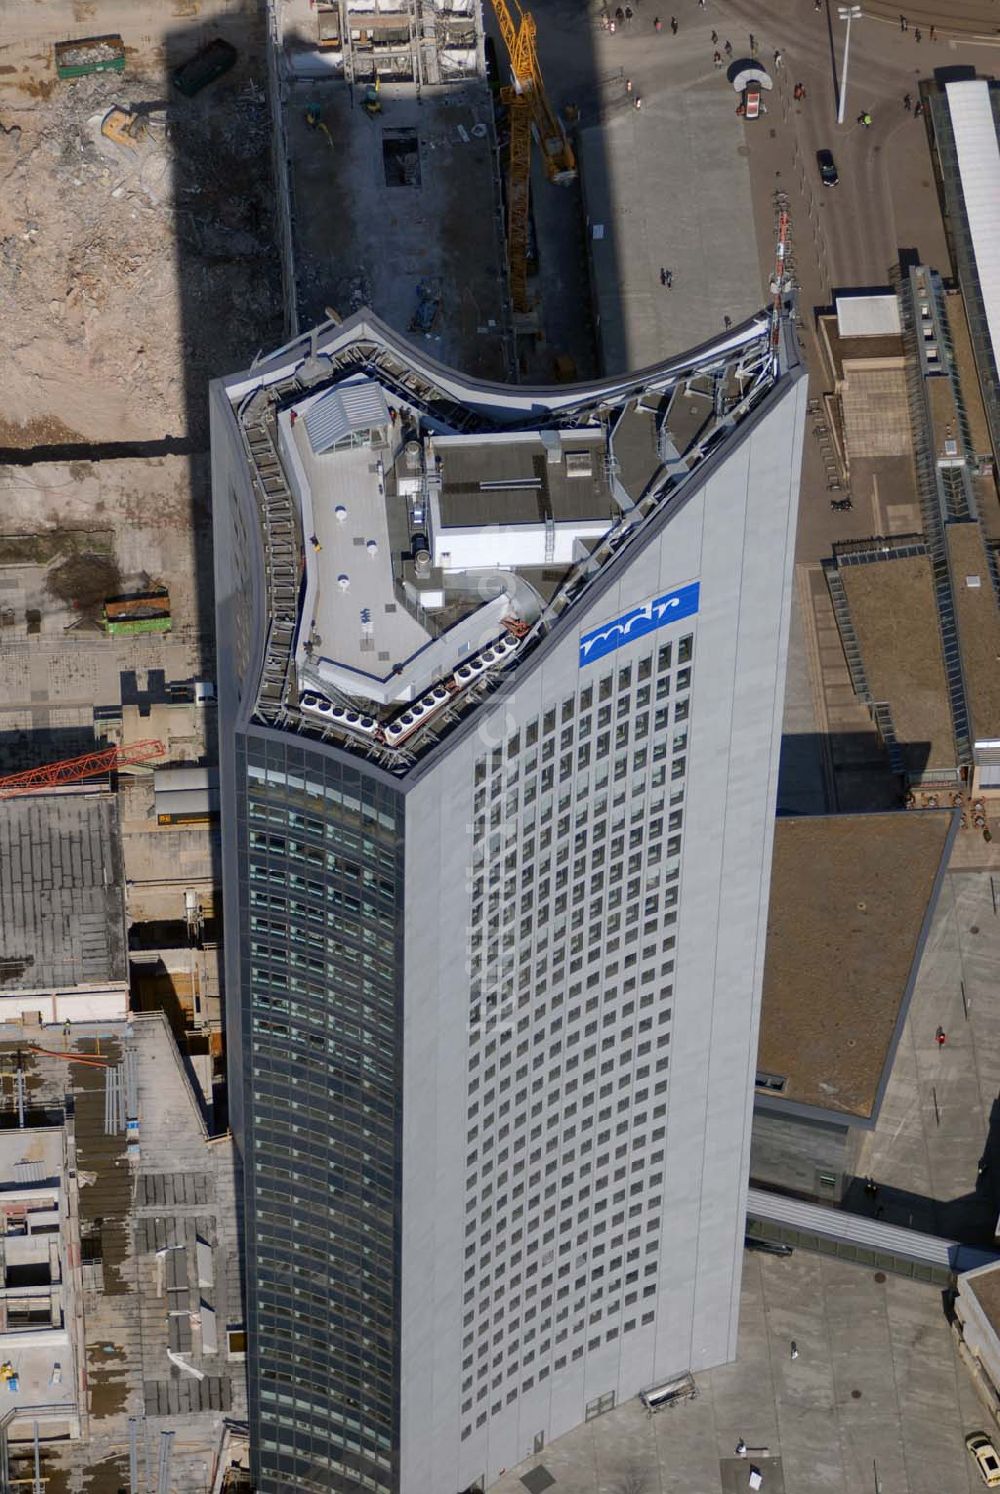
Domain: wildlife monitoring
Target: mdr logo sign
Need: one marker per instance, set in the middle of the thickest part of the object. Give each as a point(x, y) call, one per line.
point(657, 613)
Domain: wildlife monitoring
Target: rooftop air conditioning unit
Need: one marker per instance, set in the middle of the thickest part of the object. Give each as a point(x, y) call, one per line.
point(579, 464)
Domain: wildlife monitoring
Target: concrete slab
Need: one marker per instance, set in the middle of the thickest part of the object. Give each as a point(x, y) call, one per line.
point(935, 1152)
point(876, 1398)
point(667, 186)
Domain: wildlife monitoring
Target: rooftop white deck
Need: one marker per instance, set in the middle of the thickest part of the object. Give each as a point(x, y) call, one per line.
point(351, 601)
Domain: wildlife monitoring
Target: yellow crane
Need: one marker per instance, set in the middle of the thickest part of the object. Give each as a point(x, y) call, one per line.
point(527, 105)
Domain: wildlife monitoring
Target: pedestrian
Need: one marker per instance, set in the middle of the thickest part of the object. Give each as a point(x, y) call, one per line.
point(628, 85)
point(628, 15)
point(717, 58)
point(656, 24)
point(904, 24)
point(663, 276)
point(794, 1349)
point(932, 34)
point(941, 1037)
point(728, 49)
point(777, 59)
point(715, 38)
point(670, 280)
point(673, 24)
point(918, 35)
point(727, 322)
point(918, 109)
point(753, 47)
point(907, 102)
point(620, 15)
point(638, 101)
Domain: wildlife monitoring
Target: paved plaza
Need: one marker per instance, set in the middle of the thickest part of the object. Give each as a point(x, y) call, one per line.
point(876, 1399)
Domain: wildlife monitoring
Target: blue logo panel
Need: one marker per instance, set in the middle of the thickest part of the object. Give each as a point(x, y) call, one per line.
point(658, 613)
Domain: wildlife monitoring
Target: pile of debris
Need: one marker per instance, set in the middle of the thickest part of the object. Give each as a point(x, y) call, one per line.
point(135, 250)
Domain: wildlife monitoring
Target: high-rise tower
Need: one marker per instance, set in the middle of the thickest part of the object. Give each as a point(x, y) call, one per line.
point(501, 675)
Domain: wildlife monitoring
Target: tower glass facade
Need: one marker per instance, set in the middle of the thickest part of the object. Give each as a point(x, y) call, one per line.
point(320, 877)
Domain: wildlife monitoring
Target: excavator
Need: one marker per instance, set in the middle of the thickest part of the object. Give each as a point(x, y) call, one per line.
point(527, 105)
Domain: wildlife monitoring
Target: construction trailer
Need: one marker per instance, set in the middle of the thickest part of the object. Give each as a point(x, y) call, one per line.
point(144, 612)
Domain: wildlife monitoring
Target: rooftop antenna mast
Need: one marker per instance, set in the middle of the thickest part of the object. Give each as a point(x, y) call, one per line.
point(781, 278)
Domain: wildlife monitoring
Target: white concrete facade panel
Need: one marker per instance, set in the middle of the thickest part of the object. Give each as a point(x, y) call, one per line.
point(736, 536)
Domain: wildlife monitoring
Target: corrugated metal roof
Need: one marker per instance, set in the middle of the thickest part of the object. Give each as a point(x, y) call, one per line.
point(355, 406)
point(979, 171)
point(857, 1229)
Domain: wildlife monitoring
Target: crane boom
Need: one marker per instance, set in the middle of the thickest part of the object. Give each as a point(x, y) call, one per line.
point(519, 39)
point(73, 769)
point(518, 198)
point(527, 102)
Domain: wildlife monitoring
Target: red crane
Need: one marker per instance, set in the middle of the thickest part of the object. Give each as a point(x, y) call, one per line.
point(72, 769)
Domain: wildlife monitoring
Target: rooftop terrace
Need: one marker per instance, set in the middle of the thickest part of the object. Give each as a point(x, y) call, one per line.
point(443, 525)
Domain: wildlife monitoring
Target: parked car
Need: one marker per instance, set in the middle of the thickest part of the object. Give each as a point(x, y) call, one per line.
point(828, 173)
point(751, 106)
point(204, 67)
point(987, 1458)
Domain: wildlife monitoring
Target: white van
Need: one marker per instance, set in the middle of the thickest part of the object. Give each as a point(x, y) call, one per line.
point(669, 1393)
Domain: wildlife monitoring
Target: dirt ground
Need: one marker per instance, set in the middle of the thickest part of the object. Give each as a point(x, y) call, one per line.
point(69, 531)
point(130, 276)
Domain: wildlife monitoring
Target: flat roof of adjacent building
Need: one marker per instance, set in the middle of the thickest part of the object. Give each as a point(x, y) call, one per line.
point(62, 898)
point(894, 612)
point(984, 1285)
point(850, 898)
point(152, 1216)
point(843, 351)
point(978, 626)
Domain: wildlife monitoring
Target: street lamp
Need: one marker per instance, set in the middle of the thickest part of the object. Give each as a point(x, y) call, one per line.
point(847, 13)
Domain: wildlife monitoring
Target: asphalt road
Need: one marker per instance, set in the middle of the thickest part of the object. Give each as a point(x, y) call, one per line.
point(885, 201)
